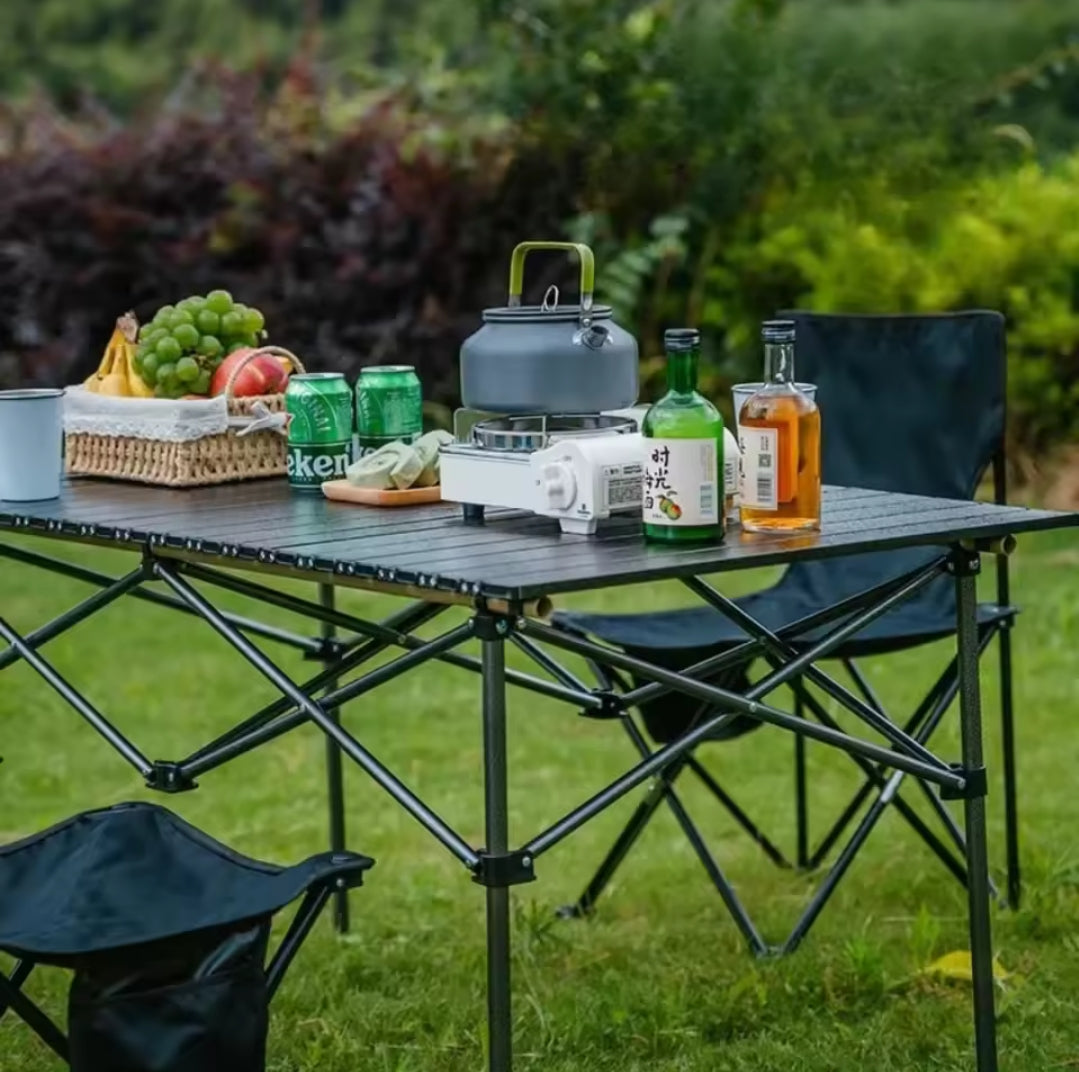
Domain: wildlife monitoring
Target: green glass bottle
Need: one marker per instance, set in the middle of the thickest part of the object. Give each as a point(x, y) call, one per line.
point(683, 440)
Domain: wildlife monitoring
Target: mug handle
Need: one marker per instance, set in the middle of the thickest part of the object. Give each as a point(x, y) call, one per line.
point(588, 271)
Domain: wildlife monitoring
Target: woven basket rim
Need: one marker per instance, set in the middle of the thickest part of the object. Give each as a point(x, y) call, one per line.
point(213, 459)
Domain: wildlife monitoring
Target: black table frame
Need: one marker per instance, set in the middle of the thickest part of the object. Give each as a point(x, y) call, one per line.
point(498, 866)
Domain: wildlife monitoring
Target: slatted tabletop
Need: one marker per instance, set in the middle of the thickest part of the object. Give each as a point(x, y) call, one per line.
point(512, 556)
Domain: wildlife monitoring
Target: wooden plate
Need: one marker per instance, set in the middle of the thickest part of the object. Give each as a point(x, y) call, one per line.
point(343, 491)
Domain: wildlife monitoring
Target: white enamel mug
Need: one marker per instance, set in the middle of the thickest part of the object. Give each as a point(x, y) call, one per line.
point(31, 444)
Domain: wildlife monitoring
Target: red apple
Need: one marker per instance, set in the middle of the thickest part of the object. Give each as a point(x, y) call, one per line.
point(263, 374)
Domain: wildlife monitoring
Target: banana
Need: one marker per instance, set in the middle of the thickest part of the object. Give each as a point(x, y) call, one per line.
point(135, 384)
point(116, 375)
point(128, 329)
point(114, 382)
point(93, 381)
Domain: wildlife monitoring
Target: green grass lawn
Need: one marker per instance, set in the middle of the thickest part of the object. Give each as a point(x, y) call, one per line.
point(659, 979)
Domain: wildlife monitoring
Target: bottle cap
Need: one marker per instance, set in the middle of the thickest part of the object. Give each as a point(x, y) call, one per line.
point(777, 331)
point(681, 338)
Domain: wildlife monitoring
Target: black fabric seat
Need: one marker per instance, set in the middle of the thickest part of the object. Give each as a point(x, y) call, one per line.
point(166, 930)
point(698, 631)
point(678, 638)
point(909, 404)
point(134, 874)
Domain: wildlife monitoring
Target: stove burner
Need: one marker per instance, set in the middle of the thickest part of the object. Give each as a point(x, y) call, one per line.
point(526, 434)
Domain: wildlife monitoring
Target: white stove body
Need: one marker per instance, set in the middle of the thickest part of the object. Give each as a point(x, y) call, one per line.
point(579, 480)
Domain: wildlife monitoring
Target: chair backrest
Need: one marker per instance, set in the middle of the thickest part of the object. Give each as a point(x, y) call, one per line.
point(913, 404)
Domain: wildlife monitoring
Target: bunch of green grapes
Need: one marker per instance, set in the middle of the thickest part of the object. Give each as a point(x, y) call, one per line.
point(181, 347)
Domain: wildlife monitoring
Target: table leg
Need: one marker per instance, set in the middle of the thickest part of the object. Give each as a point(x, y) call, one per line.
point(981, 940)
point(499, 1015)
point(335, 774)
point(801, 793)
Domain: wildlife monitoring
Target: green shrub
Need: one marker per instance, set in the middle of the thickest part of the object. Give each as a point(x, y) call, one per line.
point(1008, 241)
point(862, 156)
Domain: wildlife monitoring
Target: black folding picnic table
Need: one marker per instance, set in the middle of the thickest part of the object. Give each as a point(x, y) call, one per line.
point(506, 571)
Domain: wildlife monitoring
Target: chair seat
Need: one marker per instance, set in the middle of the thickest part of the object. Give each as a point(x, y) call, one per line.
point(702, 629)
point(137, 873)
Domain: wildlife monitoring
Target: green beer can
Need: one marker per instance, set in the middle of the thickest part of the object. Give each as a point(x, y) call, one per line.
point(389, 406)
point(319, 405)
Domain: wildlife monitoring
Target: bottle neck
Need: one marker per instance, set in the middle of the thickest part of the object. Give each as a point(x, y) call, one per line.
point(779, 362)
point(682, 370)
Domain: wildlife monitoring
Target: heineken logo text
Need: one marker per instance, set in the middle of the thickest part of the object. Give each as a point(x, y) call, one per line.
point(312, 465)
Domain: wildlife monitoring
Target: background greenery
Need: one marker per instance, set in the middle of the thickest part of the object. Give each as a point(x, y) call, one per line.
point(361, 168)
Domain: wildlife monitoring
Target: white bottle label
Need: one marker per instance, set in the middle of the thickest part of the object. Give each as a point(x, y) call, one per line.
point(758, 468)
point(731, 458)
point(622, 485)
point(681, 482)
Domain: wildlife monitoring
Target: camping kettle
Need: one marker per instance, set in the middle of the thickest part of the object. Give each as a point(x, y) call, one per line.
point(549, 358)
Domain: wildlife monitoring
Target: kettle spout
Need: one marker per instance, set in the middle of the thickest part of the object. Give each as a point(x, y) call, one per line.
point(595, 336)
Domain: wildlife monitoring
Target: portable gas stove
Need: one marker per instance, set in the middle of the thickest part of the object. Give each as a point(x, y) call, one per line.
point(579, 468)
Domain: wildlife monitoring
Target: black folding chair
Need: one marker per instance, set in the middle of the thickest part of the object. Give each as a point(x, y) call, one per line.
point(911, 404)
point(166, 931)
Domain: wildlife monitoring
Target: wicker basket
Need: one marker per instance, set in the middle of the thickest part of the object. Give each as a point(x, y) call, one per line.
point(217, 458)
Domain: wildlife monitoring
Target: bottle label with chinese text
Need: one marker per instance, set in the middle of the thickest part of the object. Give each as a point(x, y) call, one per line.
point(758, 479)
point(681, 482)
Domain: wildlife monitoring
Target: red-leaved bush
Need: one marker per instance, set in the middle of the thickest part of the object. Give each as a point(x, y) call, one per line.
point(362, 244)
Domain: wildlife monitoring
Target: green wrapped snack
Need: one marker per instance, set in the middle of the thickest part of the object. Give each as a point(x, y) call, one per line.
point(394, 465)
point(374, 470)
point(408, 468)
point(428, 446)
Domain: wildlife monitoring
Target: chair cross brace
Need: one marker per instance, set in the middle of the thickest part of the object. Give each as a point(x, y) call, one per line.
point(923, 724)
point(918, 730)
point(12, 997)
point(774, 645)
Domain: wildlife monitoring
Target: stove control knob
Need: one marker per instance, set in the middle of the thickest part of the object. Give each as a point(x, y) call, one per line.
point(557, 486)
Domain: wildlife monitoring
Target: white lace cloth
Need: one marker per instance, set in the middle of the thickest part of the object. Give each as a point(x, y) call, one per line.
point(161, 418)
point(143, 418)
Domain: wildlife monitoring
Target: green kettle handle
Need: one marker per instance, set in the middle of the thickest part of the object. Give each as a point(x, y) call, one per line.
point(588, 270)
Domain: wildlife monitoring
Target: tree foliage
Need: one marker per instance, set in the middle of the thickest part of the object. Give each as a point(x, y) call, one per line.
point(723, 157)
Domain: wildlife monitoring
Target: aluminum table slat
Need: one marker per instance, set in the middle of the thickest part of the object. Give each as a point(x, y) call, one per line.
point(512, 556)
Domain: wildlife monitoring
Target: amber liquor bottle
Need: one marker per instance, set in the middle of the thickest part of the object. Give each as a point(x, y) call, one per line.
point(779, 439)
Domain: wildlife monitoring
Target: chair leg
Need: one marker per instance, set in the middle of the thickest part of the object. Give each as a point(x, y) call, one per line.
point(936, 694)
point(640, 818)
point(12, 997)
point(879, 779)
point(1011, 801)
point(737, 814)
point(887, 796)
point(719, 880)
point(835, 873)
point(700, 847)
point(313, 903)
point(722, 796)
point(800, 798)
point(663, 789)
point(19, 975)
point(946, 684)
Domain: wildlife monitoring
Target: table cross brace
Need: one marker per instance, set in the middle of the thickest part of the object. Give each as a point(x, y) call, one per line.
point(498, 866)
